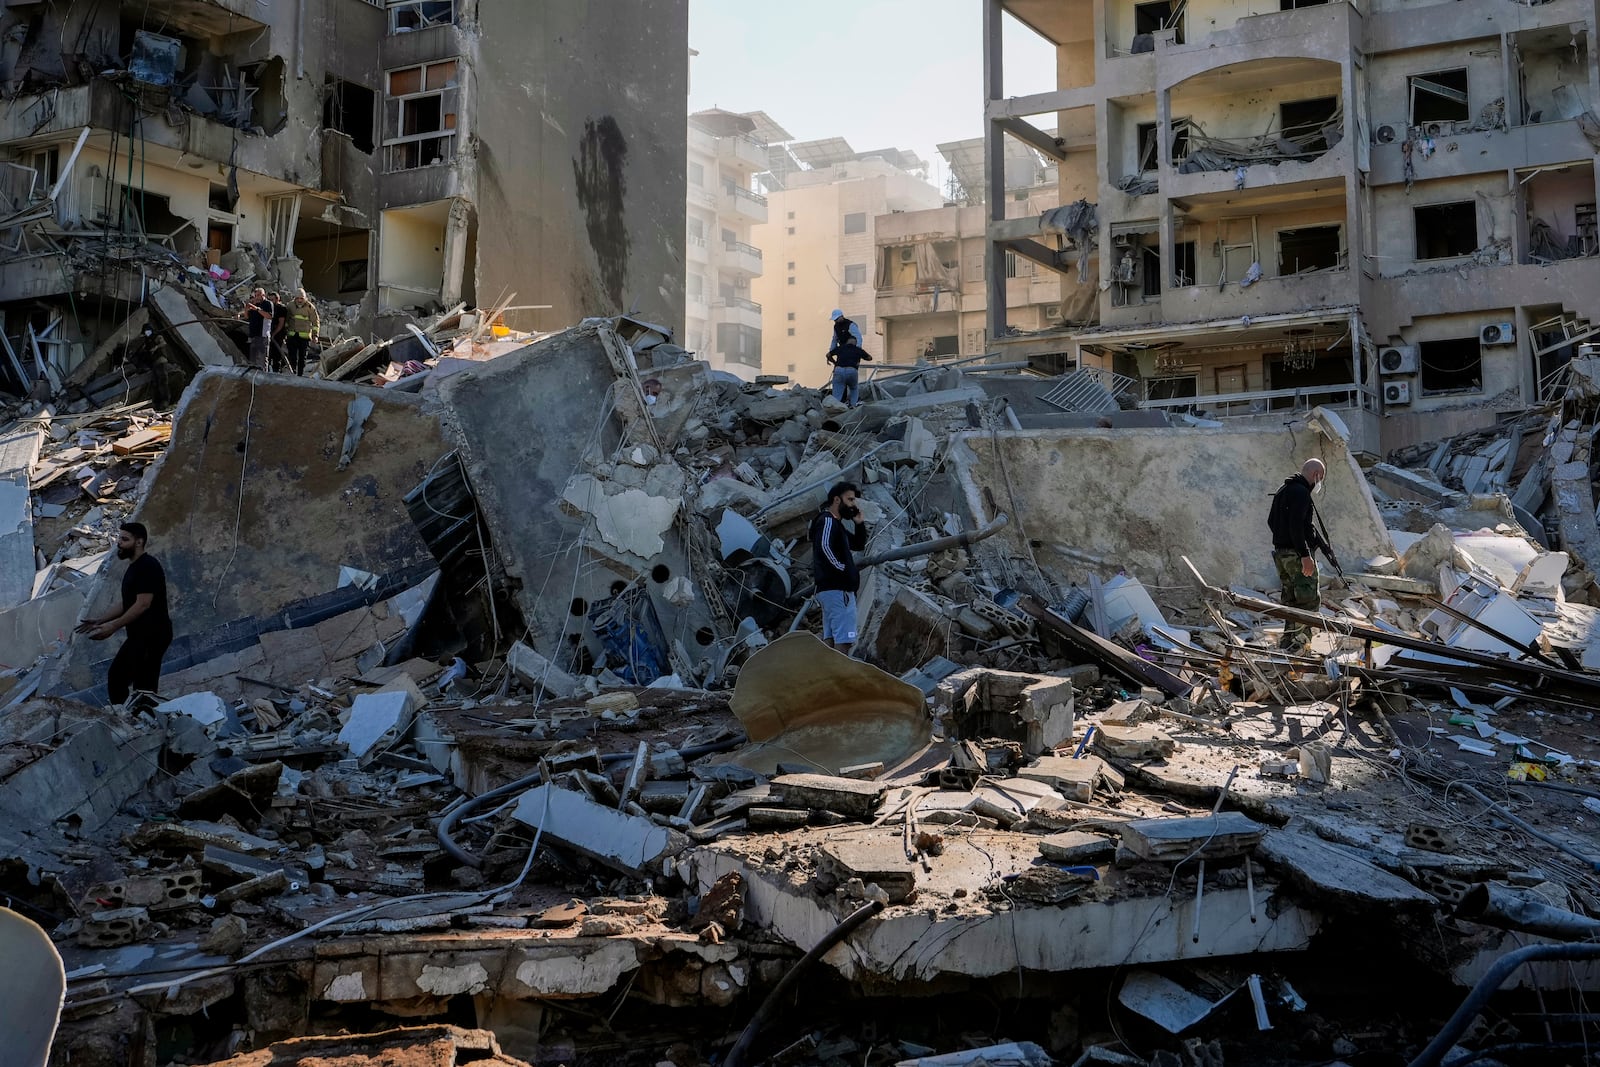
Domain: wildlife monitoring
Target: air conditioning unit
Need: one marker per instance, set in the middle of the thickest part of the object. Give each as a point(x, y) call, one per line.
point(849, 287)
point(1397, 359)
point(1434, 129)
point(1499, 333)
point(1052, 313)
point(1385, 134)
point(1396, 393)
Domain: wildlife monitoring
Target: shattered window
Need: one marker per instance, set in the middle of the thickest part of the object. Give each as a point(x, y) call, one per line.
point(1451, 366)
point(1438, 97)
point(419, 115)
point(408, 15)
point(347, 108)
point(1307, 248)
point(1446, 230)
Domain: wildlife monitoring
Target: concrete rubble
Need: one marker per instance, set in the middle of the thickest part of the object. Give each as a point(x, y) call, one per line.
point(495, 703)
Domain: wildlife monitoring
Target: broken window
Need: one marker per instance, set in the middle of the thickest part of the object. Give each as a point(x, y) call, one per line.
point(1183, 269)
point(1438, 97)
point(855, 274)
point(855, 222)
point(419, 115)
point(1451, 366)
point(217, 198)
point(1552, 67)
point(283, 216)
point(1445, 230)
point(1171, 388)
point(408, 15)
point(349, 109)
point(1151, 251)
point(261, 84)
point(1149, 152)
point(1308, 123)
point(155, 59)
point(1307, 248)
point(944, 345)
point(1149, 18)
point(352, 276)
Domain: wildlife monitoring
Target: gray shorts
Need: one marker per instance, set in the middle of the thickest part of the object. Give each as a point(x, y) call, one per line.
point(838, 616)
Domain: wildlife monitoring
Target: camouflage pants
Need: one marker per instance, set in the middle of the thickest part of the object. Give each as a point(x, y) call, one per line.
point(1298, 591)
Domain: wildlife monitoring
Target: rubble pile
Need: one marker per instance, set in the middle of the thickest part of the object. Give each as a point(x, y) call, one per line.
point(495, 702)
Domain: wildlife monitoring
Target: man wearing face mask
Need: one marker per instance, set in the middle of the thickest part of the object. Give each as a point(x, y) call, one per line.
point(833, 548)
point(137, 666)
point(1295, 537)
point(651, 388)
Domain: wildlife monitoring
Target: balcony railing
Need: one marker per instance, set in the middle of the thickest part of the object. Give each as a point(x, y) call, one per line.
point(743, 194)
point(741, 302)
point(1223, 405)
point(740, 246)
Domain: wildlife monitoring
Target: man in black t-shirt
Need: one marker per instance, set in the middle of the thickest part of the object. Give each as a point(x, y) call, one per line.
point(137, 666)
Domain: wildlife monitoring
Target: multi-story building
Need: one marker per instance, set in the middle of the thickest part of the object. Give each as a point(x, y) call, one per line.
point(823, 201)
point(929, 269)
point(397, 156)
point(1378, 205)
point(721, 321)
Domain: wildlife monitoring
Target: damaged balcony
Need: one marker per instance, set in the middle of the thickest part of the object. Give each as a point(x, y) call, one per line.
point(918, 276)
point(1217, 144)
point(199, 18)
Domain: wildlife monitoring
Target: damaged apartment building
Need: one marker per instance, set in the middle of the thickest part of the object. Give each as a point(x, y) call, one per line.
point(352, 147)
point(1384, 208)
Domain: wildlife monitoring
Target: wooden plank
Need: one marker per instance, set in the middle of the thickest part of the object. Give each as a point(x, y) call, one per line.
point(150, 437)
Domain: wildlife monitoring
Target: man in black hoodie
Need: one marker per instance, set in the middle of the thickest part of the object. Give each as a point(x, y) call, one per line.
point(833, 548)
point(1292, 520)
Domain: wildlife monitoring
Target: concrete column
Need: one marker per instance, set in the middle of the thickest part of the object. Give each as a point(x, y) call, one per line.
point(455, 252)
point(994, 148)
point(1528, 375)
point(1519, 216)
point(1513, 87)
point(1354, 207)
point(1164, 174)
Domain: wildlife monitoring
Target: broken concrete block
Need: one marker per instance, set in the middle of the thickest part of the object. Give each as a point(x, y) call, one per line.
point(120, 926)
point(1227, 833)
point(1074, 779)
point(631, 521)
point(777, 818)
point(539, 673)
point(629, 843)
point(1133, 742)
point(1075, 846)
point(377, 721)
point(1337, 872)
point(868, 859)
point(89, 776)
point(847, 796)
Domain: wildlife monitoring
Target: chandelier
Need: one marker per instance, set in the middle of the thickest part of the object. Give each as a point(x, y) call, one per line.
point(1169, 360)
point(1299, 352)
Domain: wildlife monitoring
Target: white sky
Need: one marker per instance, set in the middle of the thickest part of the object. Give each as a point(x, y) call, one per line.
point(879, 73)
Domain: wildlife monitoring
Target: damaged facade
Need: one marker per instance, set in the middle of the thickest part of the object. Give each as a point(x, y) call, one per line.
point(1356, 205)
point(201, 146)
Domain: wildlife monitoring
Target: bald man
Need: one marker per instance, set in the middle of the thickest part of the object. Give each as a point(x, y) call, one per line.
point(1294, 539)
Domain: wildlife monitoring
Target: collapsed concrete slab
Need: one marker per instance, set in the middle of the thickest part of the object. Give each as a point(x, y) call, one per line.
point(1141, 499)
point(538, 426)
point(950, 929)
point(252, 519)
point(629, 843)
point(800, 700)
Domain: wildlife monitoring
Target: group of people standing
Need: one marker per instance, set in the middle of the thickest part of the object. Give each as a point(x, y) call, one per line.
point(281, 332)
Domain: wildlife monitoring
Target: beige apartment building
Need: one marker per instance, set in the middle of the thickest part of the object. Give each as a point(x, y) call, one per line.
point(929, 273)
point(824, 201)
point(722, 320)
point(1381, 205)
point(393, 157)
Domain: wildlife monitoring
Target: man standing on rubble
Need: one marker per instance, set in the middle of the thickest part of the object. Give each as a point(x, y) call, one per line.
point(257, 313)
point(833, 563)
point(280, 331)
point(1295, 537)
point(304, 324)
point(137, 666)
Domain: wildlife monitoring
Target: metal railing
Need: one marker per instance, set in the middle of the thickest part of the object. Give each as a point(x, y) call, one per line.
point(740, 302)
point(1264, 401)
point(743, 194)
point(740, 246)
